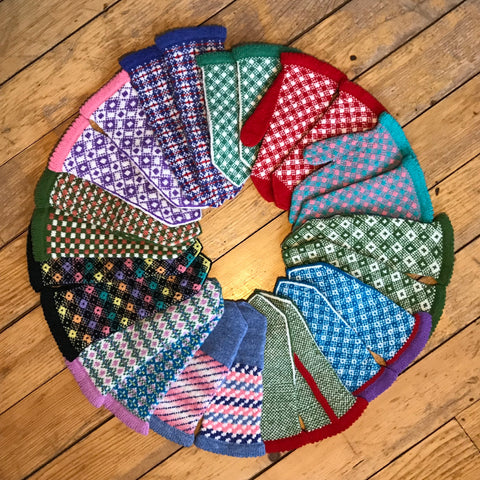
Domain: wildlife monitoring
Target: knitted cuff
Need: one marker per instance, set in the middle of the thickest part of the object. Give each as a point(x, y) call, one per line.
point(438, 305)
point(232, 450)
point(133, 60)
point(38, 229)
point(215, 58)
point(365, 97)
point(34, 273)
point(44, 188)
point(260, 50)
point(397, 134)
point(416, 173)
point(188, 34)
point(448, 249)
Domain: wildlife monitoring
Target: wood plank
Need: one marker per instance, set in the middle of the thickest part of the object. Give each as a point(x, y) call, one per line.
point(60, 81)
point(469, 419)
point(29, 357)
point(354, 42)
point(44, 424)
point(446, 454)
point(400, 417)
point(47, 22)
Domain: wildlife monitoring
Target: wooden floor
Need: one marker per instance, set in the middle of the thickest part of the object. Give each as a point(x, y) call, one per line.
point(419, 58)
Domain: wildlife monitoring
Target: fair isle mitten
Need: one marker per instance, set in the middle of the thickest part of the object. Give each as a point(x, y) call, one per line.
point(116, 109)
point(57, 234)
point(179, 411)
point(231, 423)
point(386, 328)
point(349, 159)
point(353, 110)
point(398, 193)
point(298, 96)
point(106, 363)
point(299, 382)
point(82, 314)
point(90, 155)
point(408, 246)
point(339, 342)
point(412, 295)
point(220, 83)
point(257, 65)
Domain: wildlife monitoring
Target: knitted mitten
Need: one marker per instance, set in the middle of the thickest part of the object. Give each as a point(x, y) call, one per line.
point(231, 423)
point(386, 328)
point(116, 109)
point(90, 155)
point(299, 382)
point(106, 363)
point(220, 83)
point(178, 413)
point(408, 246)
point(257, 66)
point(349, 159)
point(412, 295)
point(399, 193)
point(57, 234)
point(62, 271)
point(298, 96)
point(353, 110)
point(85, 200)
point(339, 342)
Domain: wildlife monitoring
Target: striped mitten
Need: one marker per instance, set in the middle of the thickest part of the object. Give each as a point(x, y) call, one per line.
point(231, 423)
point(408, 246)
point(179, 411)
point(412, 295)
point(220, 82)
point(298, 96)
point(386, 328)
point(353, 110)
point(398, 193)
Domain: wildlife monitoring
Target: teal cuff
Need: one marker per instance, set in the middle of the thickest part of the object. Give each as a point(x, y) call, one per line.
point(416, 173)
point(396, 131)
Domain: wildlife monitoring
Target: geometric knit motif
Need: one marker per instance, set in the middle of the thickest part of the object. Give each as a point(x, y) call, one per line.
point(221, 97)
point(88, 201)
point(56, 272)
point(122, 118)
point(412, 295)
point(69, 236)
point(346, 115)
point(255, 75)
point(344, 160)
point(339, 342)
point(380, 323)
point(112, 359)
point(304, 95)
point(234, 414)
point(406, 245)
point(141, 392)
point(191, 393)
point(392, 194)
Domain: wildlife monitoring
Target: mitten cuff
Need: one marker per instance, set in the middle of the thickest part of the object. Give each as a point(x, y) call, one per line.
point(260, 50)
point(416, 173)
point(132, 61)
point(38, 229)
point(44, 188)
point(395, 130)
point(184, 35)
point(447, 250)
point(365, 97)
point(215, 58)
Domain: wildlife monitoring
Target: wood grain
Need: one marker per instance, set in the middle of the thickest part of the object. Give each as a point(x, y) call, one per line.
point(469, 419)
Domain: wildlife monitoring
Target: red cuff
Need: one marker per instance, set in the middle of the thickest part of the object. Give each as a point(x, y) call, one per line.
point(361, 94)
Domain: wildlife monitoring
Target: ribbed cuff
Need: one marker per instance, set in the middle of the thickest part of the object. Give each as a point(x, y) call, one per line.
point(376, 385)
point(132, 61)
point(38, 230)
point(126, 416)
point(396, 132)
point(189, 34)
point(215, 58)
point(361, 94)
point(241, 450)
point(438, 305)
point(313, 64)
point(448, 249)
point(171, 433)
point(34, 269)
point(260, 50)
point(44, 188)
point(416, 174)
point(85, 382)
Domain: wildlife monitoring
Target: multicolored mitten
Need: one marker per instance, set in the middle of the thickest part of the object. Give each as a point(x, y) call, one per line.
point(399, 193)
point(90, 155)
point(106, 363)
point(57, 234)
point(408, 246)
point(353, 110)
point(339, 342)
point(257, 65)
point(231, 423)
point(304, 400)
point(349, 159)
point(220, 83)
point(178, 413)
point(412, 295)
point(116, 109)
point(299, 95)
point(83, 199)
point(386, 328)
